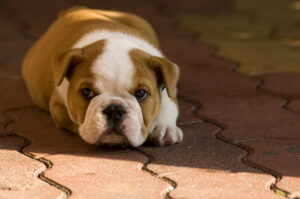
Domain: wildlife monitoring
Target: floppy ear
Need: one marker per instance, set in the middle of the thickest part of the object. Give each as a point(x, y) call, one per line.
point(64, 61)
point(167, 74)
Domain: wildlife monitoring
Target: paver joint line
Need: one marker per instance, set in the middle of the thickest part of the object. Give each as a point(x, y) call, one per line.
point(286, 100)
point(284, 106)
point(218, 135)
point(223, 127)
point(172, 183)
point(48, 164)
point(249, 150)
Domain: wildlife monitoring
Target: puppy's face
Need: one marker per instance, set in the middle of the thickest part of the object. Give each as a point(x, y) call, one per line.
point(113, 92)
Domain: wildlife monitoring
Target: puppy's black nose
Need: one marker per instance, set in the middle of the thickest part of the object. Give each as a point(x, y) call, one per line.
point(114, 112)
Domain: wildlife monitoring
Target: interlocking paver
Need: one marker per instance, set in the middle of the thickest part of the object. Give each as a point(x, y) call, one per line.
point(11, 56)
point(285, 85)
point(186, 113)
point(263, 36)
point(109, 173)
point(294, 106)
point(284, 158)
point(19, 173)
point(261, 41)
point(282, 84)
point(202, 81)
point(245, 120)
point(250, 118)
point(204, 167)
point(4, 120)
point(11, 30)
point(14, 94)
point(190, 6)
point(25, 14)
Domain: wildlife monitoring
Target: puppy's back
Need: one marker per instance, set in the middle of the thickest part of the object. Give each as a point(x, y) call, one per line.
point(70, 26)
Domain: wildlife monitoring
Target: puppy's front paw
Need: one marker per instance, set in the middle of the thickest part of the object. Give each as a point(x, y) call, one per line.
point(165, 135)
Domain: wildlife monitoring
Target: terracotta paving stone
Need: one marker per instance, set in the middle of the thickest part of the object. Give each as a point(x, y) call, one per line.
point(204, 167)
point(14, 94)
point(172, 47)
point(204, 54)
point(190, 6)
point(24, 15)
point(262, 38)
point(242, 117)
point(245, 123)
point(13, 42)
point(4, 119)
point(182, 48)
point(11, 29)
point(262, 116)
point(282, 84)
point(11, 67)
point(285, 85)
point(51, 8)
point(185, 114)
point(19, 173)
point(236, 103)
point(245, 120)
point(107, 175)
point(43, 192)
point(284, 158)
point(294, 105)
point(58, 141)
point(214, 81)
point(146, 10)
point(110, 172)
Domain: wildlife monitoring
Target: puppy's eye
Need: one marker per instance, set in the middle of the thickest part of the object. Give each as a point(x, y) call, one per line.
point(140, 95)
point(87, 93)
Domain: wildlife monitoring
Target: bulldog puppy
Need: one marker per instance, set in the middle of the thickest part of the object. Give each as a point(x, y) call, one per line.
point(100, 74)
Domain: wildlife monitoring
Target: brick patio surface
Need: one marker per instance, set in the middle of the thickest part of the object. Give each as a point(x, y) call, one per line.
point(239, 98)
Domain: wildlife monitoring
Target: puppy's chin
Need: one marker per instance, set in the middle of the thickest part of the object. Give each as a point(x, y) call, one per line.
point(113, 139)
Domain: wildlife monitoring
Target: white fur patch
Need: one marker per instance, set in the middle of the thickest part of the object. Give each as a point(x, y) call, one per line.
point(135, 42)
point(164, 129)
point(168, 112)
point(114, 64)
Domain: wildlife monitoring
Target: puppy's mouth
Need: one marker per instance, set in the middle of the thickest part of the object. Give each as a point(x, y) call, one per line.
point(114, 135)
point(115, 131)
point(113, 139)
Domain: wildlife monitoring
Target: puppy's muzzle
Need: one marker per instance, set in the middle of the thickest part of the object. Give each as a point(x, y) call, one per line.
point(114, 113)
point(113, 121)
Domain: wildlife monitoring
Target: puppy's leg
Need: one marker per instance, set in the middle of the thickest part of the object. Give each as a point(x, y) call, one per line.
point(60, 115)
point(164, 130)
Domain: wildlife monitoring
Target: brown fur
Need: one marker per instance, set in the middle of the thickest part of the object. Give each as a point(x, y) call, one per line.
point(145, 78)
point(63, 34)
point(83, 77)
point(79, 75)
point(52, 58)
point(151, 73)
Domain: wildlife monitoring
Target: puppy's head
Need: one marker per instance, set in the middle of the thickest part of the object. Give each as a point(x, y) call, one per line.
point(112, 90)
